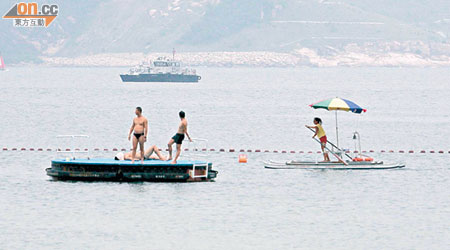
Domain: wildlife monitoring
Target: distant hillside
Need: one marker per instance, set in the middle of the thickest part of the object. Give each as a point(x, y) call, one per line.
point(98, 27)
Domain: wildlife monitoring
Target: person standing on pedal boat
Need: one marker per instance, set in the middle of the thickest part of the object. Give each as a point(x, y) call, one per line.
point(140, 128)
point(320, 133)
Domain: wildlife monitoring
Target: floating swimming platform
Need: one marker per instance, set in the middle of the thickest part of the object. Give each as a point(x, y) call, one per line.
point(125, 171)
point(335, 165)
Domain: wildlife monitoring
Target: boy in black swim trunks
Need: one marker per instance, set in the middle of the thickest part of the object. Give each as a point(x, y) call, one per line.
point(179, 137)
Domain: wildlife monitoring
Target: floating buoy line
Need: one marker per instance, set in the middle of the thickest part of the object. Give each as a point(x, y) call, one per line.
point(231, 150)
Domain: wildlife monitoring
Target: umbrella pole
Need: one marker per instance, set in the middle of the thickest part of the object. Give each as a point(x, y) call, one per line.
point(337, 134)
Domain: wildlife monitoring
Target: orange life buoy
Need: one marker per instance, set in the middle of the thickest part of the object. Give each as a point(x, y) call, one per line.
point(242, 158)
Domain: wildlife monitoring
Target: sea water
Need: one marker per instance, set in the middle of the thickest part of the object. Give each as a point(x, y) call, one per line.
point(247, 207)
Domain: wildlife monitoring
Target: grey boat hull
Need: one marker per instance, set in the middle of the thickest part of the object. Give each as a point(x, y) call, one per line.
point(160, 78)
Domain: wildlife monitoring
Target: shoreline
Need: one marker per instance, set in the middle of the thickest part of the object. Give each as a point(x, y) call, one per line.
point(301, 58)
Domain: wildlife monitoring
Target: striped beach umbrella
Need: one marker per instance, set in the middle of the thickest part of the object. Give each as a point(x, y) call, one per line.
point(338, 104)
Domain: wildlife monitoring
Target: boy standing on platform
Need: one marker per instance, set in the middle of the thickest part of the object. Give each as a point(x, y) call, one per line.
point(179, 137)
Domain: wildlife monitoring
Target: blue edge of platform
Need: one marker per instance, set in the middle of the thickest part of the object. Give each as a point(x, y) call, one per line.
point(109, 162)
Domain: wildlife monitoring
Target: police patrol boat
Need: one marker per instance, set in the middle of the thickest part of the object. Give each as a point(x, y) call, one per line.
point(162, 69)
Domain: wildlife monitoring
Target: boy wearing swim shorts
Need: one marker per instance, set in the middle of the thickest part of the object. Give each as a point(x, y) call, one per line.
point(179, 137)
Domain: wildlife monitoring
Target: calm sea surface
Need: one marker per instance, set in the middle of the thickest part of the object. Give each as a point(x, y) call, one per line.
point(247, 207)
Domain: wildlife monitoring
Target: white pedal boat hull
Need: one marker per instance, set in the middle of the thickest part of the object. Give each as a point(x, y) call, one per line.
point(331, 165)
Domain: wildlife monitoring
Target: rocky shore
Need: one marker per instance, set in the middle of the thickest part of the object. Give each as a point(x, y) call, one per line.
point(393, 54)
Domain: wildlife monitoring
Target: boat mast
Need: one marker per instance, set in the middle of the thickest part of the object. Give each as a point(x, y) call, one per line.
point(173, 54)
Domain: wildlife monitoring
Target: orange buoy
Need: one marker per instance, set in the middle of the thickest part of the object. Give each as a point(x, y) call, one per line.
point(242, 158)
point(368, 159)
point(358, 159)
